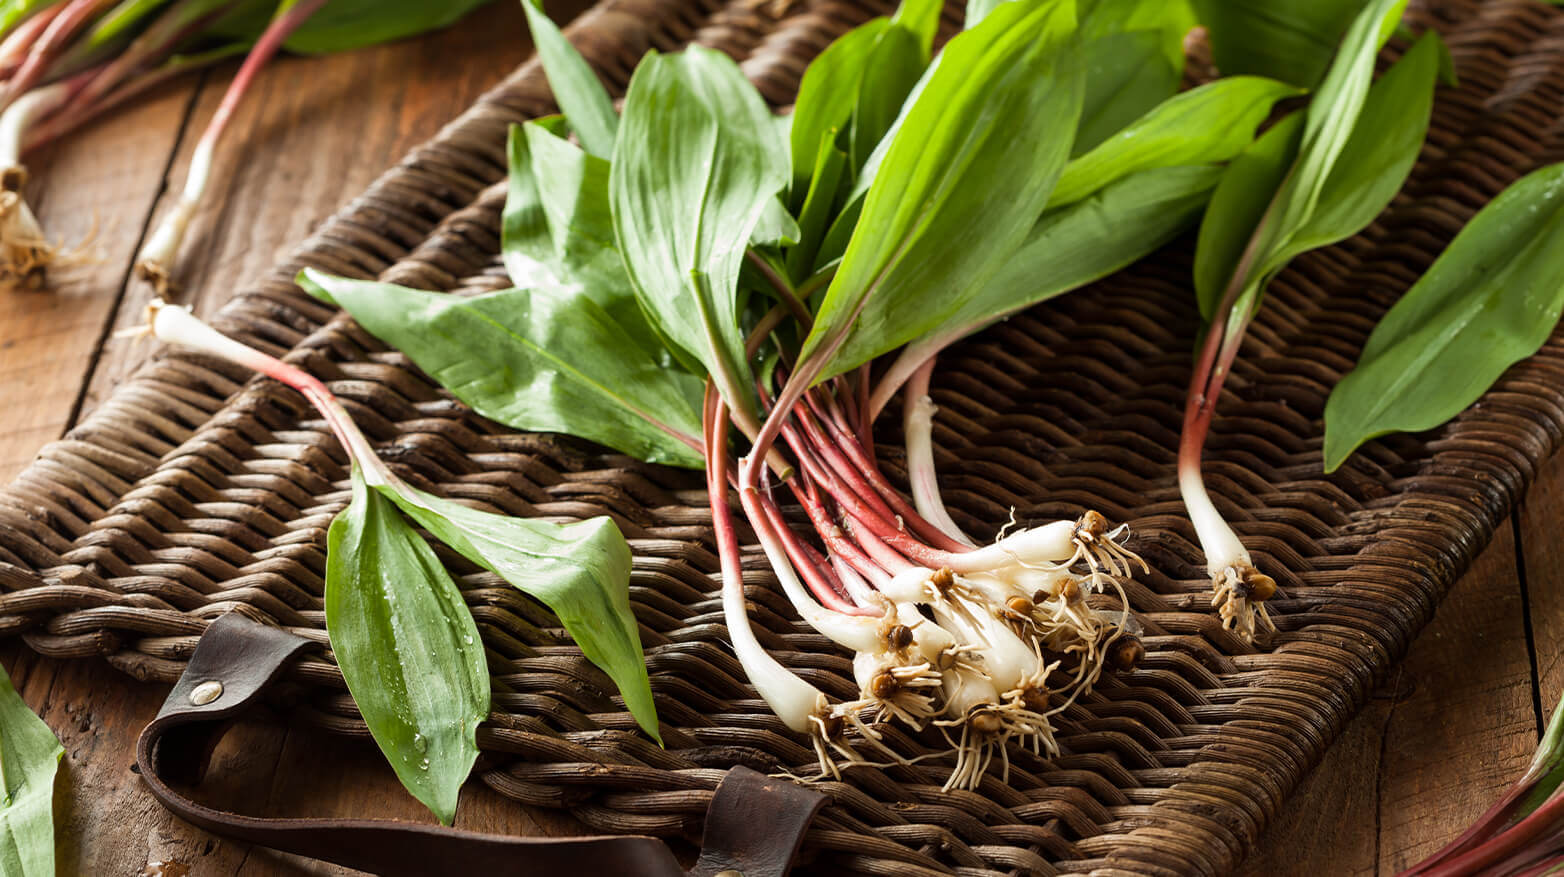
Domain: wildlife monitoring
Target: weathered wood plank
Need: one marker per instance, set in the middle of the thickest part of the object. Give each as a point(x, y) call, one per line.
point(312, 134)
point(95, 187)
point(1447, 731)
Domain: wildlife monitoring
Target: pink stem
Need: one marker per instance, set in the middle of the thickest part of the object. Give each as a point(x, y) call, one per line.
point(767, 520)
point(865, 468)
point(276, 33)
point(73, 16)
point(865, 416)
point(14, 48)
point(831, 534)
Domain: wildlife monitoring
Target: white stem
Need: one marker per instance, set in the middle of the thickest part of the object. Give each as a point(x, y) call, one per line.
point(1050, 543)
point(791, 698)
point(174, 324)
point(918, 425)
point(1221, 545)
point(21, 114)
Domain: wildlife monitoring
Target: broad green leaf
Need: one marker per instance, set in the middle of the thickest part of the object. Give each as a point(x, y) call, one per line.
point(1209, 124)
point(557, 229)
point(341, 25)
point(1173, 19)
point(1105, 232)
point(815, 213)
point(581, 571)
point(1127, 75)
point(1290, 40)
point(29, 759)
point(1237, 207)
point(857, 88)
point(542, 359)
point(921, 17)
point(1379, 154)
point(1275, 186)
point(1333, 113)
point(579, 92)
point(692, 174)
point(977, 11)
point(1491, 299)
point(964, 177)
point(893, 68)
point(826, 97)
point(408, 648)
point(776, 228)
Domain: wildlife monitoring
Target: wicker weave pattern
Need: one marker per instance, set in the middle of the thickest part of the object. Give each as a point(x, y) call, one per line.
point(196, 491)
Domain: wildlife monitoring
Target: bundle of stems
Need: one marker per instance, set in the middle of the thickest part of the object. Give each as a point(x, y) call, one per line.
point(66, 62)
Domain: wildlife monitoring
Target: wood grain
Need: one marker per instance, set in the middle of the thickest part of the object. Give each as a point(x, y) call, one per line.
point(92, 191)
point(1444, 734)
point(311, 134)
point(1450, 728)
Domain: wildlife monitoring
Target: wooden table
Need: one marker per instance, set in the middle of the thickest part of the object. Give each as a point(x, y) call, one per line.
point(1454, 723)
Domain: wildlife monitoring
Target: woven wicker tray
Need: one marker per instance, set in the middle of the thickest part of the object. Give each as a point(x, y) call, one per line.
point(197, 490)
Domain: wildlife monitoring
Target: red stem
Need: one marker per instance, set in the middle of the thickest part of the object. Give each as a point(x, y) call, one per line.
point(900, 507)
point(831, 534)
point(74, 15)
point(1489, 824)
point(1542, 825)
point(276, 33)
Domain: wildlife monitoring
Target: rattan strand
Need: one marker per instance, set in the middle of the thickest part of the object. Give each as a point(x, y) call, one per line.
point(197, 490)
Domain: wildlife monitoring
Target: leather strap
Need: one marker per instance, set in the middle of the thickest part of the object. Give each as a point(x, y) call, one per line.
point(754, 824)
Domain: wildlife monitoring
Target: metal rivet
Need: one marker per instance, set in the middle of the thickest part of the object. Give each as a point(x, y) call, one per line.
point(206, 692)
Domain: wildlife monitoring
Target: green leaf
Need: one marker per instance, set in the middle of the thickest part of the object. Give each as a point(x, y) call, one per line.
point(1491, 299)
point(855, 91)
point(29, 759)
point(576, 88)
point(1255, 218)
point(1237, 207)
point(814, 216)
point(921, 17)
point(341, 25)
point(14, 12)
point(408, 648)
point(581, 571)
point(1205, 125)
point(1380, 152)
point(893, 68)
point(827, 95)
point(1290, 40)
point(1085, 241)
point(692, 175)
point(963, 179)
point(776, 228)
point(545, 359)
point(1127, 75)
point(1173, 19)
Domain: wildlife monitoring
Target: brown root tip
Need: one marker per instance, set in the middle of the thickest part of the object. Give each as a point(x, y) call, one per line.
point(884, 686)
point(1035, 699)
point(1020, 605)
point(831, 726)
point(157, 277)
point(13, 178)
point(1091, 526)
point(942, 579)
point(1069, 590)
point(1126, 653)
point(899, 636)
point(984, 721)
point(1261, 587)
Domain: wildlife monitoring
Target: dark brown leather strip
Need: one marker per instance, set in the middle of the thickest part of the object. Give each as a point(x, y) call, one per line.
point(754, 824)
